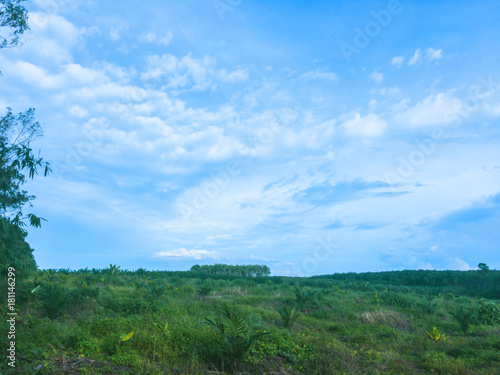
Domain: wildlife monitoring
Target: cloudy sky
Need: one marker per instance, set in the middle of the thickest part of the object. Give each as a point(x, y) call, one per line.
point(314, 137)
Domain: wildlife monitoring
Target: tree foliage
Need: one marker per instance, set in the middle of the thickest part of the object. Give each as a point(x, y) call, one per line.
point(483, 267)
point(13, 22)
point(16, 160)
point(15, 251)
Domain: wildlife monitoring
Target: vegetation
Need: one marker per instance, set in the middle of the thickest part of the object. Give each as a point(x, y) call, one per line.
point(114, 321)
point(289, 315)
point(16, 159)
point(14, 21)
point(436, 336)
point(235, 335)
point(464, 316)
point(224, 269)
point(221, 319)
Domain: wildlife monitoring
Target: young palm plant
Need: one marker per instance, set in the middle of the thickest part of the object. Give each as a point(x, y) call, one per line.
point(236, 335)
point(54, 299)
point(464, 317)
point(436, 335)
point(289, 315)
point(305, 296)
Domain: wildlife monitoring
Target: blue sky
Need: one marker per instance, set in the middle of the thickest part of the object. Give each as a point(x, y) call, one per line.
point(321, 137)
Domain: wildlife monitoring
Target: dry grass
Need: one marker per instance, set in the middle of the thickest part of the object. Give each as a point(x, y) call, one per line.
point(390, 318)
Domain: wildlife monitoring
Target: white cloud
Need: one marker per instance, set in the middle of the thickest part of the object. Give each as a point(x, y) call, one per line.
point(397, 61)
point(432, 54)
point(369, 126)
point(185, 254)
point(439, 109)
point(199, 74)
point(458, 264)
point(312, 137)
point(391, 91)
point(55, 27)
point(69, 75)
point(151, 37)
point(239, 75)
point(377, 76)
point(49, 40)
point(218, 236)
point(114, 34)
point(154, 148)
point(417, 56)
point(320, 74)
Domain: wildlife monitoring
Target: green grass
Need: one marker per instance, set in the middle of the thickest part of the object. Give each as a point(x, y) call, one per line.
point(348, 324)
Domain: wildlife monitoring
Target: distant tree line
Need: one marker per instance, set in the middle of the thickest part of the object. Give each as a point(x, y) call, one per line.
point(224, 269)
point(483, 282)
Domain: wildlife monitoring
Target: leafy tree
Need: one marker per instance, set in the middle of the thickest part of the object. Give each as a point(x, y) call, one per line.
point(16, 157)
point(15, 251)
point(14, 20)
point(483, 267)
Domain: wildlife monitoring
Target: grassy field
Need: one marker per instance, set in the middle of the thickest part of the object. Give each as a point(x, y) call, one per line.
point(201, 322)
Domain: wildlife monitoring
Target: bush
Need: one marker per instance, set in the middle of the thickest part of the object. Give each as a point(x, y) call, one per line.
point(488, 313)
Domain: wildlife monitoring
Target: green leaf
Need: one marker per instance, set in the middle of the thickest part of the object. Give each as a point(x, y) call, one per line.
point(35, 290)
point(127, 337)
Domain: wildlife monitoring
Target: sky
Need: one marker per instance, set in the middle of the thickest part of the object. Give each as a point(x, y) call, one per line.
point(313, 137)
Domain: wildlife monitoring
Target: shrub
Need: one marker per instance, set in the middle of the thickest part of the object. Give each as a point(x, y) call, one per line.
point(488, 313)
